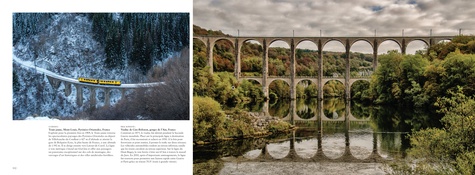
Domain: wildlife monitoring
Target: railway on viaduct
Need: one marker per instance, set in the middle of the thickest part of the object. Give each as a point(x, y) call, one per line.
point(265, 80)
point(56, 81)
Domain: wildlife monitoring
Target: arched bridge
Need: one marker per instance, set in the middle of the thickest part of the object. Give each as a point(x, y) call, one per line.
point(56, 80)
point(320, 43)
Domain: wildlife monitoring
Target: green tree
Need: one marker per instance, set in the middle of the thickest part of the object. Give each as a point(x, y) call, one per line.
point(412, 79)
point(113, 46)
point(360, 90)
point(251, 92)
point(453, 145)
point(280, 88)
point(208, 119)
point(459, 70)
point(385, 85)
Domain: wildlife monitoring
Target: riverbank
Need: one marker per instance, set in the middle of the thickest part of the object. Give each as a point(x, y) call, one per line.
point(262, 126)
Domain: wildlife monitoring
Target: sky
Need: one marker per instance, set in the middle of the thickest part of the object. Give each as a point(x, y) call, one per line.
point(337, 18)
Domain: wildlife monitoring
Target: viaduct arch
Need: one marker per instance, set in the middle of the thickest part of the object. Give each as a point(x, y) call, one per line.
point(93, 88)
point(320, 42)
point(56, 80)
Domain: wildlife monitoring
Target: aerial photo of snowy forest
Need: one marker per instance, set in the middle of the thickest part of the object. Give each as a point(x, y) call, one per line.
point(146, 55)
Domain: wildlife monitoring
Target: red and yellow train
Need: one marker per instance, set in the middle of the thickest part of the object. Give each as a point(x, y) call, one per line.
point(99, 81)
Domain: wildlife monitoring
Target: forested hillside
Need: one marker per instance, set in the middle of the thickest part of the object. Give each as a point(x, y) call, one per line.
point(130, 47)
point(123, 41)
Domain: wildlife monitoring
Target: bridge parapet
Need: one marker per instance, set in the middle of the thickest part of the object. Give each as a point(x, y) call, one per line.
point(275, 76)
point(331, 77)
point(309, 77)
point(251, 76)
point(361, 77)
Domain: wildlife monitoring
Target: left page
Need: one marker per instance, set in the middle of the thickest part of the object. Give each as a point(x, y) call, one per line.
point(96, 87)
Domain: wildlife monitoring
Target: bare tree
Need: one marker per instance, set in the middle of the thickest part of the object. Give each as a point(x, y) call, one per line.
point(169, 101)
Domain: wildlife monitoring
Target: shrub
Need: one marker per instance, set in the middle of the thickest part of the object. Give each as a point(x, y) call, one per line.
point(208, 119)
point(278, 126)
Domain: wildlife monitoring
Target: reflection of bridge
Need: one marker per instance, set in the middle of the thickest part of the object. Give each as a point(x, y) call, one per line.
point(319, 114)
point(320, 156)
point(322, 121)
point(350, 153)
point(319, 42)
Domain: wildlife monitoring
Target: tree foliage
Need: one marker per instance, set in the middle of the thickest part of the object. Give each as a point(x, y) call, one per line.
point(452, 145)
point(27, 24)
point(334, 88)
point(280, 89)
point(224, 88)
point(168, 101)
point(360, 90)
point(208, 119)
point(139, 39)
point(441, 50)
point(385, 82)
point(416, 81)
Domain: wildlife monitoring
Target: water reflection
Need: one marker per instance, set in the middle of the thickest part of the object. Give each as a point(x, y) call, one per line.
point(356, 147)
point(334, 108)
point(361, 143)
point(360, 110)
point(305, 109)
point(360, 133)
point(278, 150)
point(333, 145)
point(251, 107)
point(306, 147)
point(279, 108)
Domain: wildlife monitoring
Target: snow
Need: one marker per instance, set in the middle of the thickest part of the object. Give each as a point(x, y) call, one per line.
point(39, 118)
point(65, 50)
point(31, 65)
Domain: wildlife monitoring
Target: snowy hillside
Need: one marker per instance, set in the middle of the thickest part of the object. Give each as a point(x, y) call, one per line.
point(66, 47)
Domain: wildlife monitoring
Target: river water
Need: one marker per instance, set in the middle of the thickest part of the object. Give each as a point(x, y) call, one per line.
point(334, 136)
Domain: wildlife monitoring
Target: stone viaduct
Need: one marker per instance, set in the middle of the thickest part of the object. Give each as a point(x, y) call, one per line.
point(56, 80)
point(56, 83)
point(320, 43)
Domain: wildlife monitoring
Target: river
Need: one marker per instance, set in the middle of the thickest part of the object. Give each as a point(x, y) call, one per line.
point(334, 136)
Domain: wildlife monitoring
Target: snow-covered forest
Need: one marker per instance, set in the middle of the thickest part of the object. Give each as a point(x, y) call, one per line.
point(131, 47)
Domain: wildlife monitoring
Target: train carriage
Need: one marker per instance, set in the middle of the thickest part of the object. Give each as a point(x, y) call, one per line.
point(88, 80)
point(109, 82)
point(99, 81)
